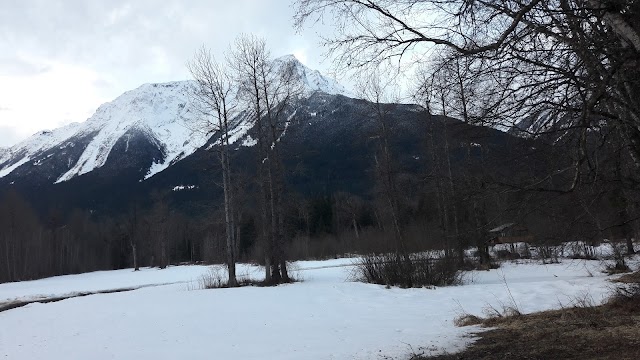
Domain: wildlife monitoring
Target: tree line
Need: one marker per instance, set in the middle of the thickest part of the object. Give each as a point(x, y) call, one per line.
point(563, 72)
point(451, 203)
point(565, 67)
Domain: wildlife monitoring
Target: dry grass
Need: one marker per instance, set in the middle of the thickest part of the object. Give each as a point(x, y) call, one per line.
point(629, 278)
point(585, 331)
point(617, 268)
point(604, 332)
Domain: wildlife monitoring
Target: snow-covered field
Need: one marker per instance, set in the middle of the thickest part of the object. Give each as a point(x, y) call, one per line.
point(326, 316)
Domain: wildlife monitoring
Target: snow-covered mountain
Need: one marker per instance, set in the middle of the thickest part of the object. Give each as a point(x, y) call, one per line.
point(312, 80)
point(160, 117)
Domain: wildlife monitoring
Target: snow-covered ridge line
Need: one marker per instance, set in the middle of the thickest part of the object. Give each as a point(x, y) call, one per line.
point(163, 112)
point(7, 170)
point(313, 80)
point(41, 141)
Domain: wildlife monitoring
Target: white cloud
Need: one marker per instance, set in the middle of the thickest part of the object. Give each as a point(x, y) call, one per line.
point(60, 59)
point(60, 95)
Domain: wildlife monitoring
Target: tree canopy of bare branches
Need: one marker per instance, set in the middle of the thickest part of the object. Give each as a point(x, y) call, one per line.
point(267, 88)
point(565, 65)
point(215, 99)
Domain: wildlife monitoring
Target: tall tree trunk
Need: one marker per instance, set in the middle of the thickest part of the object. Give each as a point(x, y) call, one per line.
point(454, 211)
point(134, 254)
point(163, 252)
point(355, 227)
point(228, 213)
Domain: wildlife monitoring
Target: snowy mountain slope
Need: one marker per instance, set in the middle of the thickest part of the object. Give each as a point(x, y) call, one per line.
point(160, 110)
point(36, 144)
point(163, 113)
point(327, 147)
point(312, 80)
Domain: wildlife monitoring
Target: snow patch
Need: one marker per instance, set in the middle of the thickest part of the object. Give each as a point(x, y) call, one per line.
point(9, 169)
point(286, 126)
point(155, 168)
point(249, 141)
point(312, 80)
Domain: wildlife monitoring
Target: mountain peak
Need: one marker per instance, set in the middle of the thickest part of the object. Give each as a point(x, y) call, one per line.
point(312, 80)
point(288, 57)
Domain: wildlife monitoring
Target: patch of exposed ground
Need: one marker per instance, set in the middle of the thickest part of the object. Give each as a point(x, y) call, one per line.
point(609, 331)
point(631, 278)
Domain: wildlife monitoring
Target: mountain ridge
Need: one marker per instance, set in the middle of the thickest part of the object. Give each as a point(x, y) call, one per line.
point(162, 112)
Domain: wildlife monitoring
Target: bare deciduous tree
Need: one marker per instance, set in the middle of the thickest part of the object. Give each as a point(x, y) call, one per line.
point(215, 96)
point(268, 88)
point(574, 60)
point(563, 68)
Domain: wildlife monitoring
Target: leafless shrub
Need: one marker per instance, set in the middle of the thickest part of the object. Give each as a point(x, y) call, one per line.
point(581, 250)
point(618, 267)
point(582, 301)
point(214, 278)
point(295, 274)
point(549, 254)
point(468, 320)
point(620, 264)
point(627, 292)
point(507, 255)
point(411, 271)
point(493, 313)
point(470, 264)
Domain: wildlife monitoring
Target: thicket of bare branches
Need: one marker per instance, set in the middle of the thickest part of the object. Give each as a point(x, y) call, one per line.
point(571, 60)
point(561, 70)
point(263, 88)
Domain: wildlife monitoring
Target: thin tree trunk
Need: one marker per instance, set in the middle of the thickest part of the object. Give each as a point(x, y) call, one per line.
point(230, 246)
point(355, 227)
point(454, 211)
point(134, 253)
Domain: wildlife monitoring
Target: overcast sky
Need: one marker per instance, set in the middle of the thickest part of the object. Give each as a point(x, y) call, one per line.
point(61, 59)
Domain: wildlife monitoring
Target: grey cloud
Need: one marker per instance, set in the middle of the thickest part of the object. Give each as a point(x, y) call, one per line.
point(123, 38)
point(102, 83)
point(20, 67)
point(128, 43)
point(9, 136)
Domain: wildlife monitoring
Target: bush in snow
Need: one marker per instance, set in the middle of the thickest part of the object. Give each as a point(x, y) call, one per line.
point(550, 254)
point(415, 270)
point(214, 278)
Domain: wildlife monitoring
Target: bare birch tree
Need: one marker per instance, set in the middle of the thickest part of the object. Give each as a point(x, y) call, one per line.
point(215, 94)
point(268, 88)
